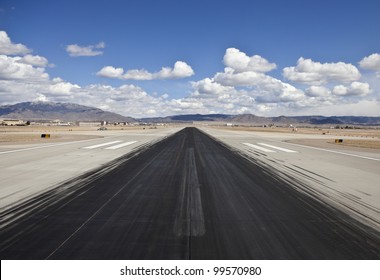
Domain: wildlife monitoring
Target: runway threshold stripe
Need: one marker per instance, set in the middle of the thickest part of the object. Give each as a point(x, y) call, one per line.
point(258, 148)
point(277, 148)
point(102, 145)
point(120, 145)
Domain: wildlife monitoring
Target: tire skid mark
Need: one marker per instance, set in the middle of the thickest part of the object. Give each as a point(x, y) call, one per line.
point(190, 219)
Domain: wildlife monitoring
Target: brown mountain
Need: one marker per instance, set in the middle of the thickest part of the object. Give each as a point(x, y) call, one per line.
point(69, 112)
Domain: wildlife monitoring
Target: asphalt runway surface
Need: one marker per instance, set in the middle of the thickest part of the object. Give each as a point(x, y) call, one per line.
point(188, 196)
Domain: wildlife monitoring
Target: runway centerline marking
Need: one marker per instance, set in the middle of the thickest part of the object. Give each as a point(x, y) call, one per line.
point(101, 145)
point(120, 145)
point(258, 148)
point(277, 148)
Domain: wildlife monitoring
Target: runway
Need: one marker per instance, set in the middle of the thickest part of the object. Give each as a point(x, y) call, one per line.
point(188, 196)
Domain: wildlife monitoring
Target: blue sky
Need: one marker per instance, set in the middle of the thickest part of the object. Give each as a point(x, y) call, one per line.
point(156, 58)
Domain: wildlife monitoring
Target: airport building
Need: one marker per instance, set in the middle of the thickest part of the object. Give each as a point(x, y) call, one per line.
point(12, 122)
point(82, 123)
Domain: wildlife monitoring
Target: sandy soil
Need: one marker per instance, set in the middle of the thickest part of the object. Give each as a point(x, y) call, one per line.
point(365, 138)
point(369, 133)
point(45, 129)
point(21, 138)
point(32, 134)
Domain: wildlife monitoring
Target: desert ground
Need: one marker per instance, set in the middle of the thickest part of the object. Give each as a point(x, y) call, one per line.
point(366, 138)
point(21, 135)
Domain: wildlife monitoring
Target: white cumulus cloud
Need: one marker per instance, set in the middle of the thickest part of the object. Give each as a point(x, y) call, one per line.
point(317, 91)
point(9, 48)
point(137, 75)
point(75, 50)
point(111, 72)
point(61, 87)
point(230, 78)
point(180, 70)
point(12, 68)
point(241, 62)
point(371, 62)
point(209, 86)
point(354, 89)
point(34, 60)
point(316, 73)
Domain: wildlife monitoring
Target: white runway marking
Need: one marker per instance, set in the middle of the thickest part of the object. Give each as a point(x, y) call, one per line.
point(46, 146)
point(334, 152)
point(277, 148)
point(258, 148)
point(101, 145)
point(120, 145)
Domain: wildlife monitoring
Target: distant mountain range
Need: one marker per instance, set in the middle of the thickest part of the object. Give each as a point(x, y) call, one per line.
point(281, 120)
point(35, 111)
point(70, 112)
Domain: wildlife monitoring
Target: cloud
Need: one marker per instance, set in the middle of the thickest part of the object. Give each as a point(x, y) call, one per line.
point(248, 89)
point(12, 68)
point(208, 86)
point(111, 72)
point(371, 62)
point(261, 85)
point(355, 89)
point(352, 90)
point(180, 70)
point(137, 75)
point(9, 48)
point(248, 73)
point(240, 62)
point(318, 91)
point(92, 50)
point(59, 87)
point(34, 60)
point(316, 73)
point(230, 78)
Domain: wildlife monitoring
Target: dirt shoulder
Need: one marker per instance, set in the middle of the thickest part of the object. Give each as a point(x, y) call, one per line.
point(33, 134)
point(34, 138)
point(17, 135)
point(369, 133)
